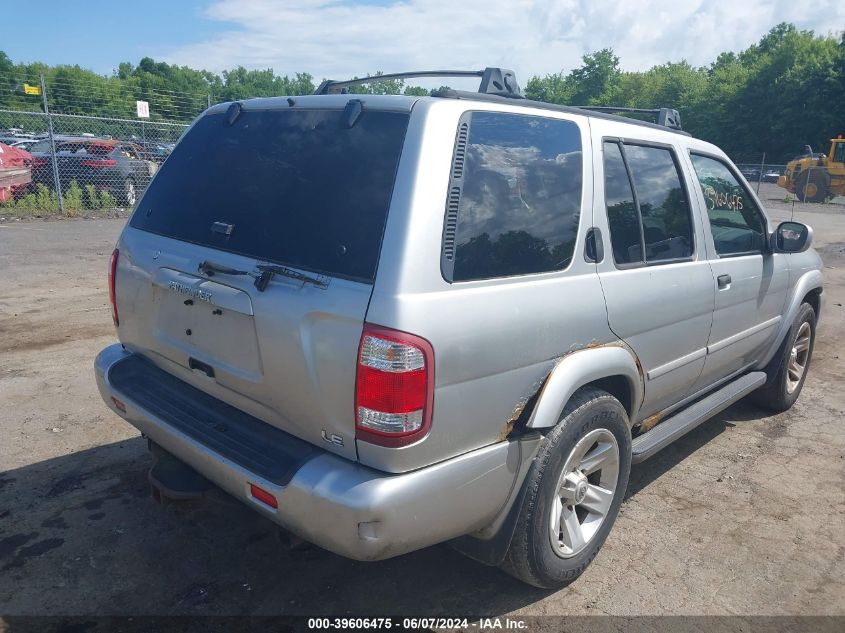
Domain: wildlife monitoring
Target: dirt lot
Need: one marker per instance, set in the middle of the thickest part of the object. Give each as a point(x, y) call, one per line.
point(746, 515)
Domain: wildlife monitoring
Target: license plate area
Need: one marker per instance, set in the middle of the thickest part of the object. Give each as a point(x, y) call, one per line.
point(207, 321)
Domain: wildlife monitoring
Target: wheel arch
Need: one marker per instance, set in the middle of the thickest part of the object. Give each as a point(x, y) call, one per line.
point(808, 289)
point(613, 368)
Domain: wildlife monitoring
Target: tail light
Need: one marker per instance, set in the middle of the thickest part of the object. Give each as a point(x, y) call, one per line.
point(112, 294)
point(99, 163)
point(394, 387)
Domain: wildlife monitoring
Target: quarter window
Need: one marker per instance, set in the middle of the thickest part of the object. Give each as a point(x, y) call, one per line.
point(736, 223)
point(519, 197)
point(647, 205)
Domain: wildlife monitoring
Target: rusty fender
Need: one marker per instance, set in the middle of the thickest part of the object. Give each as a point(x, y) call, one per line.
point(577, 368)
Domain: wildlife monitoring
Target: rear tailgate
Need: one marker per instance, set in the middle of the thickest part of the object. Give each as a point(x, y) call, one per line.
point(291, 187)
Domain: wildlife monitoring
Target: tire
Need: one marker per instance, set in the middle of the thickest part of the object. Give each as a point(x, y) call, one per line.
point(781, 392)
point(130, 194)
point(594, 422)
point(812, 186)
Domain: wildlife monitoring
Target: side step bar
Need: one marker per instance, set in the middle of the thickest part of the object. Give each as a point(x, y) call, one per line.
point(647, 444)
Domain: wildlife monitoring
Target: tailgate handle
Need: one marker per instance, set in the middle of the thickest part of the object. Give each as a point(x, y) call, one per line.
point(207, 369)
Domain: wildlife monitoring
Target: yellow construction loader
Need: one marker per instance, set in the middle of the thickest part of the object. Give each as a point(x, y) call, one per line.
point(814, 177)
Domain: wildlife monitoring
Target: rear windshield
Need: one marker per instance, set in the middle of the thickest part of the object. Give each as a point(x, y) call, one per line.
point(299, 187)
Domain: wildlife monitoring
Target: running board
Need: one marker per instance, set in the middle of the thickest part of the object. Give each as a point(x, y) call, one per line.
point(647, 444)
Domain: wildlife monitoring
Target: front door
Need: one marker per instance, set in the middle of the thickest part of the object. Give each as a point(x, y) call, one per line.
point(751, 282)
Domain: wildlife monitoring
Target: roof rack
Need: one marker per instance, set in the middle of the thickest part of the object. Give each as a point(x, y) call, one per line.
point(494, 81)
point(500, 82)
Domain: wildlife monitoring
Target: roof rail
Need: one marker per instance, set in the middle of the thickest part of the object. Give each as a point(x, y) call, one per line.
point(494, 81)
point(666, 117)
point(663, 115)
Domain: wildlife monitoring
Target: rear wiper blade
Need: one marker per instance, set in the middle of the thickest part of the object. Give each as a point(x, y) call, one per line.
point(266, 272)
point(209, 268)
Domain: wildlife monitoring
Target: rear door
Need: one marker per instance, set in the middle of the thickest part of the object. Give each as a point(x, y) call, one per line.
point(657, 281)
point(298, 189)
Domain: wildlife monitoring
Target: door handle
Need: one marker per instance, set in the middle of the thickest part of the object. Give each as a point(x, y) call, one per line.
point(724, 281)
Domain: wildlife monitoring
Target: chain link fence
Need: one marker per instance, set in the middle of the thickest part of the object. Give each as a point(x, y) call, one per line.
point(68, 162)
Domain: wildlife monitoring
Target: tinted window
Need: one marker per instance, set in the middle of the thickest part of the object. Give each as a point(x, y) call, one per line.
point(735, 221)
point(839, 153)
point(521, 197)
point(300, 187)
point(625, 234)
point(667, 227)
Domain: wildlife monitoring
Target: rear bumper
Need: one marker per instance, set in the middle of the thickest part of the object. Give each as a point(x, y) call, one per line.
point(343, 506)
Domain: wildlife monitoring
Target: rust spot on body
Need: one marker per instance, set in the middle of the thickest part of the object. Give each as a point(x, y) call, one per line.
point(650, 422)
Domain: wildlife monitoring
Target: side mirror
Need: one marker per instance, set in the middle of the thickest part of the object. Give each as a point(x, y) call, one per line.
point(791, 237)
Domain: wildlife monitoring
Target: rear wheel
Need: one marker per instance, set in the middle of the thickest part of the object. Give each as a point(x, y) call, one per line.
point(812, 186)
point(575, 488)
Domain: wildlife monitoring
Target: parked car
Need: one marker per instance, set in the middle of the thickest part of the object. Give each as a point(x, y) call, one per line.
point(25, 144)
point(752, 174)
point(156, 151)
point(771, 175)
point(15, 171)
point(113, 166)
point(385, 322)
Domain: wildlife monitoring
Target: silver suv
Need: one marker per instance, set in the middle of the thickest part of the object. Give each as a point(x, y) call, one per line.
point(385, 322)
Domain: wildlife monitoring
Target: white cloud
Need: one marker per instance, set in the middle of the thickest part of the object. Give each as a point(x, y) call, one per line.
point(342, 38)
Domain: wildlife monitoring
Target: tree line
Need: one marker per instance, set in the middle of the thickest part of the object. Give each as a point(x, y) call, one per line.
point(779, 94)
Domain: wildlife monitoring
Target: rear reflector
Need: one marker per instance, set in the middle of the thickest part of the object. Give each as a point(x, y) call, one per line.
point(263, 496)
point(119, 404)
point(394, 387)
point(112, 293)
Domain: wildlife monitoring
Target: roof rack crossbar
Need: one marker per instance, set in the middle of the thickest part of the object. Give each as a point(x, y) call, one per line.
point(497, 81)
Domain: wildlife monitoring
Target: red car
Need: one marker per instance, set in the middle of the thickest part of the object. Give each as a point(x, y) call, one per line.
point(15, 171)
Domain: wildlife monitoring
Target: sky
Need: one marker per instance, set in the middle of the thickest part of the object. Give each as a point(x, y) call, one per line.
point(343, 38)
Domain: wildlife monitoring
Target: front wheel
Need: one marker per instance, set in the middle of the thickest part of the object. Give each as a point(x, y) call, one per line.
point(575, 489)
point(781, 392)
point(812, 186)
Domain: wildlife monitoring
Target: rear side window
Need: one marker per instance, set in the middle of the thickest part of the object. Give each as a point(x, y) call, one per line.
point(515, 197)
point(646, 203)
point(299, 187)
point(625, 228)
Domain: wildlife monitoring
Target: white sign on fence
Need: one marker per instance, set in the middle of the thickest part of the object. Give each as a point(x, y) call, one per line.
point(143, 108)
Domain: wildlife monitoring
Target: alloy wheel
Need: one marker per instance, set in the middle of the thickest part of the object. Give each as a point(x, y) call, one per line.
point(798, 357)
point(584, 493)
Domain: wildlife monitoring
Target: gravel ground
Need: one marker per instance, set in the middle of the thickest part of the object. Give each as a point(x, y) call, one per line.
point(746, 515)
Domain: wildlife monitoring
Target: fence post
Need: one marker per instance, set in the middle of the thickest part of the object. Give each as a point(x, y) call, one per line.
point(52, 146)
